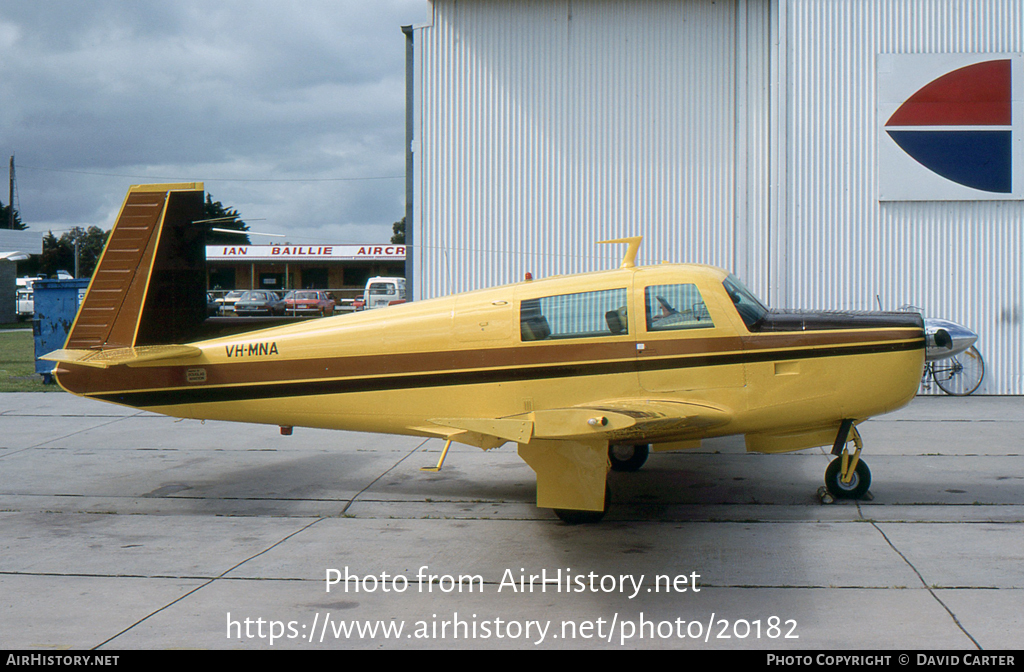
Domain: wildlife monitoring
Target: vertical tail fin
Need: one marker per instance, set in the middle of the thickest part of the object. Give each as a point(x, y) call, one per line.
point(149, 286)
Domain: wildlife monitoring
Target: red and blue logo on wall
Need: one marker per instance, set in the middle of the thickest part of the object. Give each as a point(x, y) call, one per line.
point(951, 137)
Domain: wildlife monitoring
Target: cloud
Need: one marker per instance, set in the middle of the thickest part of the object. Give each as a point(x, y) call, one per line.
point(100, 95)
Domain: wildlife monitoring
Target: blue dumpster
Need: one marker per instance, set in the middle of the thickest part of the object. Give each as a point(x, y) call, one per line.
point(56, 304)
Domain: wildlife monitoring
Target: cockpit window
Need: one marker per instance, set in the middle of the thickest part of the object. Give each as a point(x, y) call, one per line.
point(750, 309)
point(672, 307)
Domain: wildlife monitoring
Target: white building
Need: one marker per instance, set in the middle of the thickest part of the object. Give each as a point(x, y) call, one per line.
point(14, 246)
point(812, 146)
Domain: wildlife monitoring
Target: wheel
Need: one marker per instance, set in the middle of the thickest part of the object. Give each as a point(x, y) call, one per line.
point(960, 375)
point(574, 517)
point(578, 517)
point(628, 457)
point(856, 488)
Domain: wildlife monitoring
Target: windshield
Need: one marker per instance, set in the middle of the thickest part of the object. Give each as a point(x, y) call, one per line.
point(747, 305)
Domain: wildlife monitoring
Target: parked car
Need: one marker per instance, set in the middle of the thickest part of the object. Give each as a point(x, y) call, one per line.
point(309, 302)
point(26, 304)
point(259, 302)
point(212, 305)
point(227, 302)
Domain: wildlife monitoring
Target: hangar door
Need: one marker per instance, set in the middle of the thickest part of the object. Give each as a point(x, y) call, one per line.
point(541, 127)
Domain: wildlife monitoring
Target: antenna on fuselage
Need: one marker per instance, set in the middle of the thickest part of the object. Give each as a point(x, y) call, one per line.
point(629, 259)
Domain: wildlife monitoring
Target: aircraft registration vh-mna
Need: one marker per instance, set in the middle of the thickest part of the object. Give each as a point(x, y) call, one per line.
point(585, 373)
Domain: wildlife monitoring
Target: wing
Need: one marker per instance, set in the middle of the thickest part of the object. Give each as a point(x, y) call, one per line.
point(615, 420)
point(643, 419)
point(568, 447)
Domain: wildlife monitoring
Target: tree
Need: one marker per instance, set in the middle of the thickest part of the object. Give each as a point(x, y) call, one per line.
point(228, 218)
point(5, 218)
point(399, 229)
point(59, 253)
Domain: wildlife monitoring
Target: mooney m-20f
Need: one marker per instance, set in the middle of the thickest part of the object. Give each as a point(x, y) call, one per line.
point(585, 372)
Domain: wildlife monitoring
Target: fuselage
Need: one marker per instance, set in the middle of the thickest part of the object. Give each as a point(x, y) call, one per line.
point(668, 332)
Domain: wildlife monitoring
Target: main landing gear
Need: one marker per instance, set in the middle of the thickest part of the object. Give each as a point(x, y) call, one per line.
point(577, 517)
point(622, 457)
point(847, 476)
point(627, 456)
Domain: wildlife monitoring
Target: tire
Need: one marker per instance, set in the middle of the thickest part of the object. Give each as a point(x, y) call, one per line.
point(574, 517)
point(628, 457)
point(960, 375)
point(578, 517)
point(856, 488)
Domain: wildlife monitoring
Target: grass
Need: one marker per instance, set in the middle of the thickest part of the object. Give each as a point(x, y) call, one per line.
point(18, 362)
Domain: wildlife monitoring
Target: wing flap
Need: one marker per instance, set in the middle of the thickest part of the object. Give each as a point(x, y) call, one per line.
point(518, 430)
point(475, 439)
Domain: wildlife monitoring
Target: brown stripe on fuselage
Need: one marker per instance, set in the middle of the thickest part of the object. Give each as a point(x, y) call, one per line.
point(569, 358)
point(359, 366)
point(773, 341)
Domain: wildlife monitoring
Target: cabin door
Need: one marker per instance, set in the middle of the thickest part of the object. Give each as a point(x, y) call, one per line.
point(684, 341)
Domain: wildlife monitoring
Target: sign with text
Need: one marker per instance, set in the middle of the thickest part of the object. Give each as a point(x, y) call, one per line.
point(288, 253)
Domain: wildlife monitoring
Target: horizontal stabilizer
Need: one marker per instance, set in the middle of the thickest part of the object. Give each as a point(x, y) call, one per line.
point(104, 359)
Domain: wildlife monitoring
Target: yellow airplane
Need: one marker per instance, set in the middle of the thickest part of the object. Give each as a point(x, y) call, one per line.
point(585, 372)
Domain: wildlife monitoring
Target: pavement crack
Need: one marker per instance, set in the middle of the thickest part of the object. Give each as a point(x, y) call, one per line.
point(924, 583)
point(65, 436)
point(210, 581)
point(386, 472)
point(256, 555)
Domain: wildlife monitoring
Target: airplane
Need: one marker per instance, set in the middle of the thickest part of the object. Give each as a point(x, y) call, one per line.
point(585, 373)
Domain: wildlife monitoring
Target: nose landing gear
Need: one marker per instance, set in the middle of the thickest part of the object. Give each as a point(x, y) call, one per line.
point(847, 476)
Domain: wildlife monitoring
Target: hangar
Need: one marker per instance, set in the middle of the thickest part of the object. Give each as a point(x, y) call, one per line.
point(834, 154)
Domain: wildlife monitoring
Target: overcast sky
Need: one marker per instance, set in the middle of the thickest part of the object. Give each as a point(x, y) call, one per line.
point(283, 109)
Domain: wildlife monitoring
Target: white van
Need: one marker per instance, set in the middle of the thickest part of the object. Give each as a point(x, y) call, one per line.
point(26, 298)
point(381, 292)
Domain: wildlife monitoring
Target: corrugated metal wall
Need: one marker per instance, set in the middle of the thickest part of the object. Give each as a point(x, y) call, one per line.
point(740, 133)
point(843, 248)
point(543, 127)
